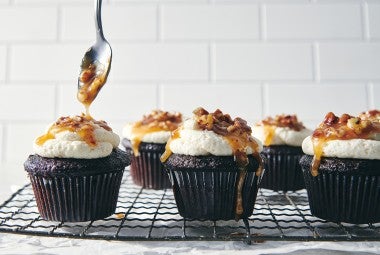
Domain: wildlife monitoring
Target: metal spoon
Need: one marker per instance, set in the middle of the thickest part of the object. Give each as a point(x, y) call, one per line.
point(96, 64)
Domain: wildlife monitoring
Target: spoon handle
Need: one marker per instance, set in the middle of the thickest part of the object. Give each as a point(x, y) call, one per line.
point(98, 19)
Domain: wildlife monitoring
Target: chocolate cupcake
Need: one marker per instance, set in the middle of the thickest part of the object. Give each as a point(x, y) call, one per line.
point(145, 142)
point(282, 137)
point(77, 170)
point(214, 166)
point(342, 169)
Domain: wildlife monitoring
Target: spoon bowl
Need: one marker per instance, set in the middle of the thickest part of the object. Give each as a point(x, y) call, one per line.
point(96, 64)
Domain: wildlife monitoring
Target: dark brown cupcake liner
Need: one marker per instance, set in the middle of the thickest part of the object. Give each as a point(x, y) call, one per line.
point(282, 169)
point(147, 171)
point(211, 195)
point(76, 198)
point(146, 168)
point(343, 195)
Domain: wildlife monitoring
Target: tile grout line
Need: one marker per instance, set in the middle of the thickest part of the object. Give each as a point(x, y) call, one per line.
point(262, 22)
point(159, 30)
point(194, 41)
point(365, 21)
point(59, 24)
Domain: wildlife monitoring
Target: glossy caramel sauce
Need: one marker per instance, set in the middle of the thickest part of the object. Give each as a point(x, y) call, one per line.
point(175, 134)
point(345, 127)
point(91, 80)
point(284, 120)
point(156, 121)
point(82, 125)
point(269, 131)
point(238, 135)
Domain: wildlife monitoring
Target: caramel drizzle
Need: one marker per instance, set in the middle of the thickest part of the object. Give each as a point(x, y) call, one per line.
point(318, 153)
point(91, 80)
point(156, 121)
point(82, 125)
point(139, 131)
point(237, 143)
point(239, 208)
point(168, 152)
point(269, 131)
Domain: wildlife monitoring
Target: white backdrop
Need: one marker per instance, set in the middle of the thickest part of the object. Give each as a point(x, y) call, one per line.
point(250, 58)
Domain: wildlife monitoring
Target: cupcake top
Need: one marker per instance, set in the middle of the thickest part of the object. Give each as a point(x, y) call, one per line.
point(154, 127)
point(213, 134)
point(281, 130)
point(79, 137)
point(344, 137)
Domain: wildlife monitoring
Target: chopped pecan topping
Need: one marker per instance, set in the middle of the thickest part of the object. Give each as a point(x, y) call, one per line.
point(346, 127)
point(235, 131)
point(75, 122)
point(82, 125)
point(220, 123)
point(283, 120)
point(373, 115)
point(164, 120)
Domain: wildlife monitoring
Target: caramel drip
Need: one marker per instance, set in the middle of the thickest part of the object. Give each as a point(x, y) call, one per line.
point(139, 131)
point(43, 138)
point(91, 81)
point(238, 145)
point(175, 135)
point(255, 148)
point(239, 193)
point(269, 131)
point(86, 132)
point(318, 153)
point(82, 125)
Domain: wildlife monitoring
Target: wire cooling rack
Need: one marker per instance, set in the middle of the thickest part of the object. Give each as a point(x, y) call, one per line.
point(143, 214)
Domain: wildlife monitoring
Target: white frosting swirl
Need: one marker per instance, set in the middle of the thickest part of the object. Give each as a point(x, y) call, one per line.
point(68, 144)
point(354, 148)
point(202, 142)
point(282, 135)
point(152, 137)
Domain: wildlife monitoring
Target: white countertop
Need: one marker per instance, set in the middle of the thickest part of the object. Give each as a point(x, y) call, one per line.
point(13, 177)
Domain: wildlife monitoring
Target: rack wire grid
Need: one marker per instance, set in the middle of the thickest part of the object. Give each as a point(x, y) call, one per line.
point(144, 214)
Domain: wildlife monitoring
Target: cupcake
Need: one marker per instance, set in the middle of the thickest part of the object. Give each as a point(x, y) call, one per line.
point(76, 170)
point(282, 138)
point(342, 169)
point(214, 166)
point(145, 142)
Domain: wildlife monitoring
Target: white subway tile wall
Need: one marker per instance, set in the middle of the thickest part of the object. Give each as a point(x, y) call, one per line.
point(250, 58)
point(1, 142)
point(305, 21)
point(242, 100)
point(3, 62)
point(263, 61)
point(350, 61)
point(202, 22)
point(375, 93)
